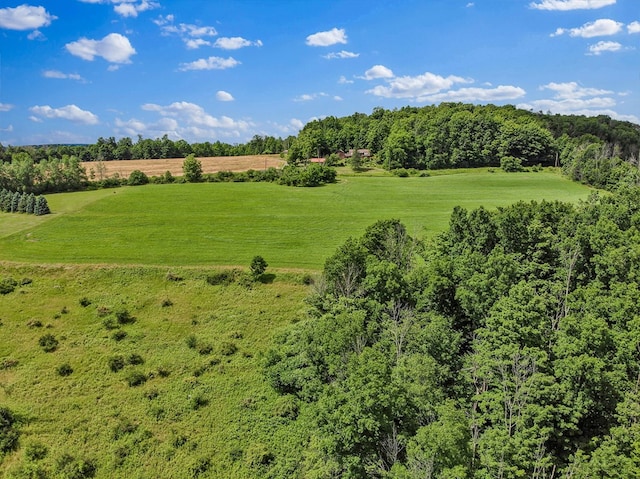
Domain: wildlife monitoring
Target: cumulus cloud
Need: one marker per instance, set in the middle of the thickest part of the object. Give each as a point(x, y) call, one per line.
point(601, 47)
point(328, 38)
point(132, 9)
point(69, 112)
point(310, 96)
point(211, 63)
point(633, 27)
point(599, 28)
point(499, 93)
point(61, 76)
point(564, 5)
point(224, 96)
point(341, 54)
point(416, 87)
point(114, 48)
point(234, 43)
point(183, 120)
point(570, 98)
point(25, 17)
point(6, 107)
point(192, 35)
point(344, 81)
point(378, 71)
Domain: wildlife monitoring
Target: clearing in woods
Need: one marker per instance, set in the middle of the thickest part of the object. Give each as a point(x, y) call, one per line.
point(158, 167)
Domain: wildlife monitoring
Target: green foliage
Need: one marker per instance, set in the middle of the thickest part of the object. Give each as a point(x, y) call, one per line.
point(136, 378)
point(511, 164)
point(9, 433)
point(258, 267)
point(137, 178)
point(192, 169)
point(116, 363)
point(36, 451)
point(8, 285)
point(308, 176)
point(64, 370)
point(48, 343)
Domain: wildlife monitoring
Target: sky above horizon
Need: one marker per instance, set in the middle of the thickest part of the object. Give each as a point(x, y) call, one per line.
point(75, 70)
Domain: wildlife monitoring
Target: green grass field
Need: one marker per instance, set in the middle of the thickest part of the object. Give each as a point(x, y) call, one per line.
point(229, 223)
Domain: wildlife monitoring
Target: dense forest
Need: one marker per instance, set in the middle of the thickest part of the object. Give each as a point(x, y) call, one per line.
point(507, 347)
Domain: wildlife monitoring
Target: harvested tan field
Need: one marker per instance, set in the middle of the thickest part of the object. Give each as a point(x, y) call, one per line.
point(158, 167)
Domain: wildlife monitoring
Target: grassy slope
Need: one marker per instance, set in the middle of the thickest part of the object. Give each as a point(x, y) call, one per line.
point(229, 223)
point(80, 414)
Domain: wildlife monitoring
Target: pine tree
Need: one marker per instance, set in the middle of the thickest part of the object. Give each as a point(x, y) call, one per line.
point(31, 204)
point(42, 207)
point(15, 199)
point(5, 200)
point(22, 203)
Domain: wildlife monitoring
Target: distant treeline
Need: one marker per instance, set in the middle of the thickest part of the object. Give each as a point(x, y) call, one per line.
point(453, 135)
point(107, 149)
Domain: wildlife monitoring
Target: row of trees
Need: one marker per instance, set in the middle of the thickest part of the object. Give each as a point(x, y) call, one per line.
point(107, 149)
point(50, 175)
point(457, 135)
point(16, 202)
point(508, 347)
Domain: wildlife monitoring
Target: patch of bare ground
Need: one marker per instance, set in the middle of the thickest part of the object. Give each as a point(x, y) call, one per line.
point(158, 167)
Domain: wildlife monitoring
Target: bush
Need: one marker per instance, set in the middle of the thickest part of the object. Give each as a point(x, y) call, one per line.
point(192, 169)
point(8, 433)
point(35, 451)
point(224, 278)
point(135, 359)
point(84, 302)
point(119, 335)
point(64, 370)
point(48, 343)
point(8, 285)
point(136, 378)
point(258, 266)
point(124, 317)
point(191, 341)
point(228, 348)
point(511, 164)
point(400, 172)
point(116, 363)
point(137, 178)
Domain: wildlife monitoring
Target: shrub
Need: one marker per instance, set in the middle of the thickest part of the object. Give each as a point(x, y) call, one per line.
point(511, 164)
point(35, 451)
point(119, 335)
point(174, 277)
point(135, 359)
point(124, 317)
point(64, 370)
point(34, 323)
point(48, 343)
point(227, 348)
point(258, 455)
point(137, 178)
point(109, 323)
point(224, 278)
point(191, 341)
point(72, 468)
point(286, 407)
point(84, 302)
point(166, 303)
point(8, 285)
point(258, 266)
point(116, 363)
point(204, 348)
point(400, 172)
point(192, 169)
point(136, 378)
point(198, 401)
point(8, 433)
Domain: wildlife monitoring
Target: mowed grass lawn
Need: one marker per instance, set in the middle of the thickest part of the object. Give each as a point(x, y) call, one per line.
point(230, 223)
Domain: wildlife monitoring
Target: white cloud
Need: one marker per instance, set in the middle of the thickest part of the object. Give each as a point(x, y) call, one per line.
point(600, 47)
point(234, 43)
point(211, 63)
point(337, 98)
point(194, 43)
point(183, 120)
point(328, 38)
point(341, 54)
point(6, 107)
point(8, 129)
point(599, 28)
point(297, 123)
point(310, 96)
point(572, 99)
point(343, 80)
point(114, 48)
point(132, 9)
point(192, 35)
point(499, 93)
point(564, 5)
point(378, 71)
point(69, 112)
point(571, 90)
point(25, 17)
point(633, 27)
point(62, 76)
point(416, 88)
point(224, 96)
point(470, 4)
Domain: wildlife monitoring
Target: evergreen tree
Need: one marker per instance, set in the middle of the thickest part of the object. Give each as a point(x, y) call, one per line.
point(15, 199)
point(42, 207)
point(31, 204)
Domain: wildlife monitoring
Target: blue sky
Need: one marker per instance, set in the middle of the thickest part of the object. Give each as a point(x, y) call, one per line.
point(75, 70)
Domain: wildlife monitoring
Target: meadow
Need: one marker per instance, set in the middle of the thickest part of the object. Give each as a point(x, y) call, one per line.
point(229, 223)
